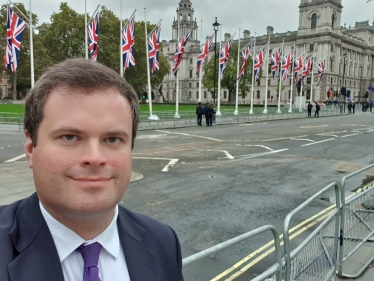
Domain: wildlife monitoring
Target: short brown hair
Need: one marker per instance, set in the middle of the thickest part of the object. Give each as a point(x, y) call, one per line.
point(77, 73)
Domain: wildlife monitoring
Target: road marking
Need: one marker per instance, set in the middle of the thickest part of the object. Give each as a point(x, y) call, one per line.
point(248, 156)
point(350, 135)
point(263, 146)
point(251, 124)
point(15, 158)
point(317, 142)
point(298, 139)
point(228, 155)
point(171, 163)
point(286, 138)
point(308, 127)
point(189, 135)
point(154, 137)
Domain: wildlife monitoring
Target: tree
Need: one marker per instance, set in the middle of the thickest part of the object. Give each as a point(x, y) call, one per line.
point(277, 88)
point(229, 79)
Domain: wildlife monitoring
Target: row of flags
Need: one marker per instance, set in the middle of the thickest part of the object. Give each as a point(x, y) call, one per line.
point(302, 67)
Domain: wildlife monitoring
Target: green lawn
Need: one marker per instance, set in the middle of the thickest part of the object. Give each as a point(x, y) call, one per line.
point(12, 108)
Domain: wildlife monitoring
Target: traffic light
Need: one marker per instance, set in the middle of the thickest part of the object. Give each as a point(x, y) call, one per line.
point(298, 86)
point(144, 95)
point(343, 91)
point(348, 93)
point(366, 95)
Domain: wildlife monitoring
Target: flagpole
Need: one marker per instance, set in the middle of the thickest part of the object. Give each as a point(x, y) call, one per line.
point(253, 70)
point(301, 84)
point(201, 40)
point(237, 80)
point(31, 51)
point(85, 28)
point(267, 78)
point(311, 85)
point(280, 82)
point(218, 112)
point(120, 40)
point(292, 66)
point(176, 115)
point(151, 116)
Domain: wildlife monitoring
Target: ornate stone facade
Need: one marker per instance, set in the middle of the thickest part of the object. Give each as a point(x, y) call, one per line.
point(319, 32)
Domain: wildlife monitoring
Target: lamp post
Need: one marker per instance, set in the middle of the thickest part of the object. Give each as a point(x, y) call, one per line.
point(344, 89)
point(359, 96)
point(215, 27)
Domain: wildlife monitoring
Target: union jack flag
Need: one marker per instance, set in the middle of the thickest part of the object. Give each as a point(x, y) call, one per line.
point(93, 35)
point(204, 50)
point(307, 67)
point(321, 69)
point(128, 40)
point(245, 53)
point(14, 32)
point(259, 62)
point(154, 47)
point(224, 56)
point(275, 61)
point(180, 51)
point(286, 64)
point(298, 66)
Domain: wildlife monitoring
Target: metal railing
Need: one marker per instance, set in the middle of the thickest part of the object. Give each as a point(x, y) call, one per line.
point(315, 258)
point(274, 270)
point(357, 222)
point(11, 121)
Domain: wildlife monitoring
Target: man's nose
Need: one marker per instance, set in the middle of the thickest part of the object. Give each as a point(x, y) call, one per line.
point(94, 153)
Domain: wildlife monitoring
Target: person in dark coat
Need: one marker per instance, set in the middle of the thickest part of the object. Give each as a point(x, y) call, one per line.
point(353, 107)
point(370, 105)
point(316, 113)
point(209, 114)
point(350, 107)
point(199, 113)
point(310, 106)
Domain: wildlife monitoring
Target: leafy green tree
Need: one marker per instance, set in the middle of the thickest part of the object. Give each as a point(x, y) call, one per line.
point(229, 79)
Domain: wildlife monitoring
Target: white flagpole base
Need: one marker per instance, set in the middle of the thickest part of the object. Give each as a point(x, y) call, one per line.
point(265, 111)
point(251, 111)
point(218, 113)
point(236, 112)
point(279, 111)
point(300, 110)
point(176, 115)
point(153, 117)
point(290, 110)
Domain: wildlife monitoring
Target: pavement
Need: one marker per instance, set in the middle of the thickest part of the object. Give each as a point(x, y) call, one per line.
point(16, 182)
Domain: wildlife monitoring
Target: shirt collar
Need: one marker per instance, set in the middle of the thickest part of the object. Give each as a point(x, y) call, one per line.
point(66, 240)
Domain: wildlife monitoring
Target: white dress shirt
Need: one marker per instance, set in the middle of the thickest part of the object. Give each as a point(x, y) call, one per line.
point(112, 262)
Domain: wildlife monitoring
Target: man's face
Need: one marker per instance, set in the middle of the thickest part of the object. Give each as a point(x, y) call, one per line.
point(82, 160)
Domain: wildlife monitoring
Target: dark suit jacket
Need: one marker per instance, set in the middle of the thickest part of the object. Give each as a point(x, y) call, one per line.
point(28, 253)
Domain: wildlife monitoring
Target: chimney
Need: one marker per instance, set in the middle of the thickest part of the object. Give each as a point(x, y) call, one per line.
point(270, 30)
point(246, 34)
point(227, 36)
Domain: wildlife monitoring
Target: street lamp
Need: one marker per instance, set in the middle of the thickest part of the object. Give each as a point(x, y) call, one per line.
point(359, 96)
point(215, 27)
point(344, 89)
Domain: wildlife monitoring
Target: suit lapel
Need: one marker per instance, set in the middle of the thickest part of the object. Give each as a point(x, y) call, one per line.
point(141, 261)
point(37, 257)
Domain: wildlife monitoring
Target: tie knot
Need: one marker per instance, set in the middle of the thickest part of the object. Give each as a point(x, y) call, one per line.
point(90, 254)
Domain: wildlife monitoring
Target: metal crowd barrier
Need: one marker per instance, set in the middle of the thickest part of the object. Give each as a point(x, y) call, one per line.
point(357, 222)
point(315, 258)
point(274, 271)
point(11, 121)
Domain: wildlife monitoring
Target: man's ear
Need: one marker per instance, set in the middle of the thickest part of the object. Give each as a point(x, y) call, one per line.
point(29, 148)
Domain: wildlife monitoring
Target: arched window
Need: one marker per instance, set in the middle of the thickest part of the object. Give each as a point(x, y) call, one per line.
point(314, 21)
point(332, 21)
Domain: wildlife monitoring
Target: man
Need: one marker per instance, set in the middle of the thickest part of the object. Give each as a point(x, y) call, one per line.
point(206, 116)
point(80, 125)
point(349, 107)
point(199, 113)
point(353, 107)
point(209, 114)
point(310, 106)
point(316, 114)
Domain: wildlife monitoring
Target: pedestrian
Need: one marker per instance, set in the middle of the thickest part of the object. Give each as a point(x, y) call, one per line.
point(353, 107)
point(199, 113)
point(310, 106)
point(316, 114)
point(81, 120)
point(364, 106)
point(349, 107)
point(206, 116)
point(371, 105)
point(209, 114)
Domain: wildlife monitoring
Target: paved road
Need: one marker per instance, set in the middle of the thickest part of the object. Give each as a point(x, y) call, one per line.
point(214, 183)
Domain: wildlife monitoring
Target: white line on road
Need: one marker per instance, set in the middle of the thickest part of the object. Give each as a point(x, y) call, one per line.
point(268, 148)
point(350, 135)
point(189, 135)
point(166, 168)
point(15, 158)
point(308, 127)
point(286, 138)
point(317, 142)
point(228, 155)
point(261, 154)
point(251, 124)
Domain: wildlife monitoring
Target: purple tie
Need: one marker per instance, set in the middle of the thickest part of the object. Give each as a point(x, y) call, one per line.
point(90, 255)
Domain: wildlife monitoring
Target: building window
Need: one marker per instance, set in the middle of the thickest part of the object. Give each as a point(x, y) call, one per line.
point(258, 94)
point(311, 47)
point(332, 47)
point(269, 80)
point(197, 94)
point(332, 21)
point(197, 84)
point(314, 21)
point(258, 82)
point(225, 94)
point(190, 73)
point(189, 93)
point(331, 81)
point(289, 94)
point(308, 80)
point(204, 94)
point(190, 60)
point(268, 94)
point(190, 84)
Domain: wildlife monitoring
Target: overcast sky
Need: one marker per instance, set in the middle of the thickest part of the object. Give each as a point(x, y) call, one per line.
point(281, 14)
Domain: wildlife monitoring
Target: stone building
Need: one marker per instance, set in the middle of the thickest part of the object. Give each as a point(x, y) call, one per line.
point(320, 32)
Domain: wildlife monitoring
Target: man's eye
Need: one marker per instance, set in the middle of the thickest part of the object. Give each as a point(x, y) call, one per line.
point(114, 140)
point(69, 137)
